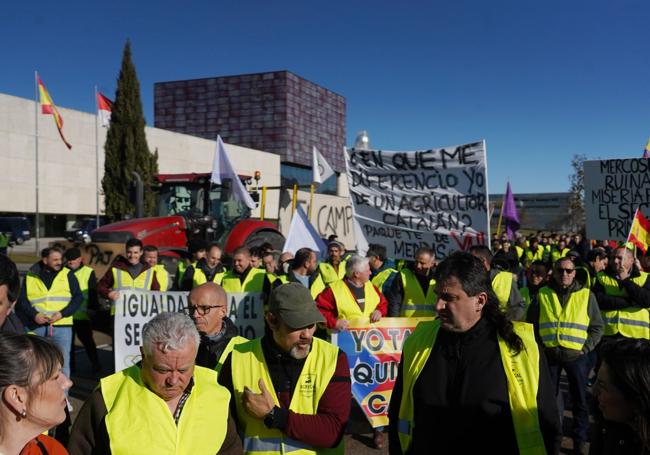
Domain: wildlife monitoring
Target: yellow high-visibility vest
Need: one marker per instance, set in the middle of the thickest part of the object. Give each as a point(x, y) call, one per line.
point(50, 301)
point(122, 280)
point(200, 278)
point(522, 375)
point(630, 322)
point(329, 274)
point(254, 281)
point(566, 327)
point(415, 303)
point(379, 279)
point(162, 276)
point(83, 276)
point(346, 304)
point(248, 366)
point(149, 427)
point(502, 285)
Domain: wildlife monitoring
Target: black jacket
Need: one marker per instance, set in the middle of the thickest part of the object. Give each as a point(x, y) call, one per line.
point(210, 350)
point(461, 399)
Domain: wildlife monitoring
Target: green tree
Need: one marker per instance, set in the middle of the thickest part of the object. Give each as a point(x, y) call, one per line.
point(577, 194)
point(126, 147)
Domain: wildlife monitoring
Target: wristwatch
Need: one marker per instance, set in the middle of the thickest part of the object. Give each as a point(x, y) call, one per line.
point(269, 418)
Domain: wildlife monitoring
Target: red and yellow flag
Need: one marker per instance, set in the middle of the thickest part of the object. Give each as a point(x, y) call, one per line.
point(48, 107)
point(640, 231)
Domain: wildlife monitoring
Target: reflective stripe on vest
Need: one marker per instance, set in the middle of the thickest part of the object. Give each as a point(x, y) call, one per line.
point(52, 300)
point(123, 279)
point(272, 277)
point(415, 303)
point(522, 375)
point(83, 276)
point(346, 304)
point(329, 274)
point(630, 322)
point(502, 285)
point(254, 281)
point(200, 278)
point(248, 366)
point(563, 326)
point(149, 427)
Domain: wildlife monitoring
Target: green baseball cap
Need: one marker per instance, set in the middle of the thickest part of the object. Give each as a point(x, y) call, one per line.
point(294, 304)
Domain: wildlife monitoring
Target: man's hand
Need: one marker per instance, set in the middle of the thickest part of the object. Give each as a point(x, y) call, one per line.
point(258, 405)
point(55, 317)
point(341, 325)
point(114, 295)
point(375, 316)
point(41, 319)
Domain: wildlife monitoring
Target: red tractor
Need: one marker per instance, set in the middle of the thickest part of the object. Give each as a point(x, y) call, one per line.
point(189, 206)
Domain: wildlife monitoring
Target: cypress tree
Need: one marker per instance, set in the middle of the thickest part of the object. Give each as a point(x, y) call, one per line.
point(126, 147)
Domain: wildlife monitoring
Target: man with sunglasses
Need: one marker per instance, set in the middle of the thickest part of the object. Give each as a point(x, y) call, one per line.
point(568, 323)
point(208, 308)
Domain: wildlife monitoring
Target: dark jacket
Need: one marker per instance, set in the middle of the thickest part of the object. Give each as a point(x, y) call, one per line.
point(461, 399)
point(26, 312)
point(211, 348)
point(395, 292)
point(107, 284)
point(636, 295)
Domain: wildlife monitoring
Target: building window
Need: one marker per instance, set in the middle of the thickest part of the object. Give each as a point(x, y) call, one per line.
point(292, 174)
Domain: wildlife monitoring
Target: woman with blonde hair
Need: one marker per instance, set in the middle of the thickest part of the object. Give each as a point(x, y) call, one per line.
point(32, 395)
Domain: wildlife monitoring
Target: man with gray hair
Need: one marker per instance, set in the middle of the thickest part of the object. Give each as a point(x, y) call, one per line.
point(353, 297)
point(164, 404)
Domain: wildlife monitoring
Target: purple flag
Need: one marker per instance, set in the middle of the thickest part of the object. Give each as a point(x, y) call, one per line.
point(509, 214)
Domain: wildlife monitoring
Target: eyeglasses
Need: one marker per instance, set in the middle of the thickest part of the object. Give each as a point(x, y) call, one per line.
point(567, 271)
point(202, 309)
point(538, 273)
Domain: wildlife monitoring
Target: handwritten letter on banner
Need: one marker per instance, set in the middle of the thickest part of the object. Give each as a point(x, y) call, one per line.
point(374, 352)
point(614, 189)
point(136, 308)
point(435, 198)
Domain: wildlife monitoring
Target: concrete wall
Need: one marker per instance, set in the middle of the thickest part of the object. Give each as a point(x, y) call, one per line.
point(67, 178)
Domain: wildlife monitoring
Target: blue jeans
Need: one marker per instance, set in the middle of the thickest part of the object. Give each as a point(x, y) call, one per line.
point(61, 335)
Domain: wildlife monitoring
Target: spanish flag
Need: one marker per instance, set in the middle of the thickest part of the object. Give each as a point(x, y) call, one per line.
point(48, 107)
point(646, 150)
point(640, 231)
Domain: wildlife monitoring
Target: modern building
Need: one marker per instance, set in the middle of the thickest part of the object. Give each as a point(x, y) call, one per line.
point(278, 112)
point(537, 211)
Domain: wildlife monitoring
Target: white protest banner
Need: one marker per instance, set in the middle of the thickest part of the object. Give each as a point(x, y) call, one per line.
point(434, 198)
point(614, 189)
point(136, 308)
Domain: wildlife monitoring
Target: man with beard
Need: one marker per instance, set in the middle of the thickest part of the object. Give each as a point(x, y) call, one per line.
point(333, 268)
point(412, 293)
point(208, 308)
point(472, 381)
point(206, 269)
point(290, 391)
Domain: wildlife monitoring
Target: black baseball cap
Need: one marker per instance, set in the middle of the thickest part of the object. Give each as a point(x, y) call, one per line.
point(293, 303)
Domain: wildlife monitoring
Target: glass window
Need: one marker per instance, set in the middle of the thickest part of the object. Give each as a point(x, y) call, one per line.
point(292, 174)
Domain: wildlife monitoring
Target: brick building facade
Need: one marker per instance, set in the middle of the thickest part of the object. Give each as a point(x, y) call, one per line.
point(277, 112)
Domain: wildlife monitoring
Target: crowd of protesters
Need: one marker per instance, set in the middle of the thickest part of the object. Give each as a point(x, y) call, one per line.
point(503, 325)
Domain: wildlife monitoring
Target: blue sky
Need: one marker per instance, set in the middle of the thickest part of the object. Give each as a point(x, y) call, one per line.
point(540, 81)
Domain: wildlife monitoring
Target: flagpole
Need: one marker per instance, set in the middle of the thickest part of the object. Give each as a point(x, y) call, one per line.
point(503, 203)
point(311, 199)
point(96, 158)
point(36, 158)
point(263, 204)
point(295, 199)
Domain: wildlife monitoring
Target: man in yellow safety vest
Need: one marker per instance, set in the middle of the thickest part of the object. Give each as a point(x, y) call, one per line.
point(472, 381)
point(412, 293)
point(164, 404)
point(291, 391)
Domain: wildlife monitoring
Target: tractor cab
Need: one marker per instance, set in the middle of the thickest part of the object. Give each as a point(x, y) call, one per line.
point(209, 210)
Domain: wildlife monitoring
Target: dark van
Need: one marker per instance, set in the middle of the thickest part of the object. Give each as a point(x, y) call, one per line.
point(80, 230)
point(18, 227)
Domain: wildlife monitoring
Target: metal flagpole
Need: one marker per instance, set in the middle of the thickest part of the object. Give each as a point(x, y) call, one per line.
point(36, 158)
point(96, 157)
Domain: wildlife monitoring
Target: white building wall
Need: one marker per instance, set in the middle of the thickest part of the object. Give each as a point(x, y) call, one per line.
point(67, 178)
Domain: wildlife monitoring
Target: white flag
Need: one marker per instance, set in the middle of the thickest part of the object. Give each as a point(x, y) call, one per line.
point(302, 234)
point(222, 169)
point(321, 168)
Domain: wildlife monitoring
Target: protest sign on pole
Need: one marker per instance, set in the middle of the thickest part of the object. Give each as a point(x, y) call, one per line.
point(435, 198)
point(135, 308)
point(614, 189)
point(374, 351)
